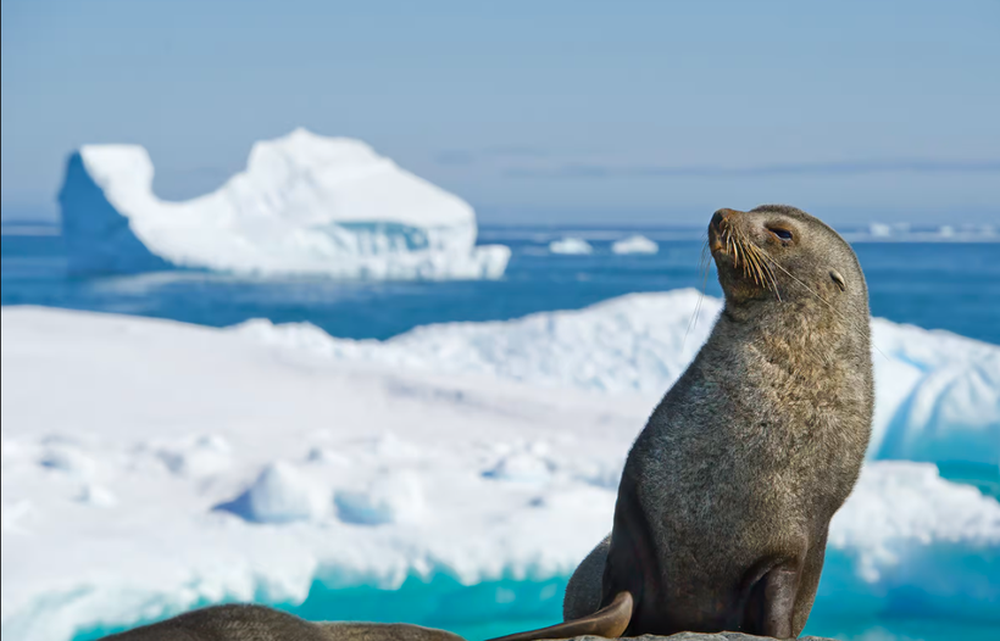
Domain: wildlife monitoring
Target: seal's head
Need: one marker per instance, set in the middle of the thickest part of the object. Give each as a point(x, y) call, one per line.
point(780, 253)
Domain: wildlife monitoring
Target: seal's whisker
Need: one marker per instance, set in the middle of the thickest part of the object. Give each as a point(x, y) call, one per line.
point(703, 268)
point(754, 260)
point(756, 256)
point(768, 272)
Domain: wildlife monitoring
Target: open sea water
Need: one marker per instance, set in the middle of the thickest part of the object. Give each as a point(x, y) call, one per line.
point(934, 285)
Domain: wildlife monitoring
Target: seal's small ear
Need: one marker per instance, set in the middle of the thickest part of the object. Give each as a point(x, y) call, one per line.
point(837, 278)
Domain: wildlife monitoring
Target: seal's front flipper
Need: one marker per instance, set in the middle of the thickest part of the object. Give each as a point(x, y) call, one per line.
point(770, 609)
point(609, 621)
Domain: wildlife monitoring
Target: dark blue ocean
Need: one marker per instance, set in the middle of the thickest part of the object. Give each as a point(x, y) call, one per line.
point(935, 285)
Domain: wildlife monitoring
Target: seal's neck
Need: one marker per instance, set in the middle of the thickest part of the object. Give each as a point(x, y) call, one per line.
point(801, 332)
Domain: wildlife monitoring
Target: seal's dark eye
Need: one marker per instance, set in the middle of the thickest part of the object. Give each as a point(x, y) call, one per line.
point(783, 234)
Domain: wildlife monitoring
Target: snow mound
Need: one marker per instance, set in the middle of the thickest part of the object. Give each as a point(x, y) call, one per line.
point(526, 464)
point(634, 245)
point(390, 498)
point(202, 456)
point(575, 246)
point(937, 394)
point(280, 494)
point(97, 496)
point(68, 459)
point(634, 343)
point(364, 474)
point(306, 204)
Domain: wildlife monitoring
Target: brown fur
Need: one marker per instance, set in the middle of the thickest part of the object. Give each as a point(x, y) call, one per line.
point(241, 622)
point(727, 494)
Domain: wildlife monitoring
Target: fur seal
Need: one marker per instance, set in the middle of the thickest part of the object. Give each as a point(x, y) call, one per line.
point(727, 493)
point(241, 622)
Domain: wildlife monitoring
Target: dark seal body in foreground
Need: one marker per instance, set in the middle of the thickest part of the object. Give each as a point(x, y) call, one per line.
point(727, 494)
point(242, 622)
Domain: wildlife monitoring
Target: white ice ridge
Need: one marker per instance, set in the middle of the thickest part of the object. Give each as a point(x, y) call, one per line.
point(306, 204)
point(149, 466)
point(634, 245)
point(938, 394)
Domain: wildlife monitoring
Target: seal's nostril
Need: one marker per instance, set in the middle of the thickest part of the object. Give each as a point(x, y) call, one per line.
point(721, 216)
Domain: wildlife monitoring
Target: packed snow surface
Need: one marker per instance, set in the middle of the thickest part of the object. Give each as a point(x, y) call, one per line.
point(634, 245)
point(306, 204)
point(938, 394)
point(149, 465)
point(570, 245)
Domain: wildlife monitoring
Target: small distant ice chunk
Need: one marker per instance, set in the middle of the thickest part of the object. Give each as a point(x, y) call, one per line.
point(575, 246)
point(635, 245)
point(391, 498)
point(880, 230)
point(280, 494)
point(946, 231)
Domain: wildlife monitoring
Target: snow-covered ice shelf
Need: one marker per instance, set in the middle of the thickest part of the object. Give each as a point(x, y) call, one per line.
point(306, 204)
point(938, 394)
point(150, 465)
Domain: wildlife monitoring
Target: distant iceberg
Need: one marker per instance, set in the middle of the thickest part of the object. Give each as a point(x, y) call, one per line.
point(635, 245)
point(570, 246)
point(306, 204)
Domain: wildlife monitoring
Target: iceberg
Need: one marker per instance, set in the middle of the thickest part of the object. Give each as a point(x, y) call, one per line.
point(939, 395)
point(306, 204)
point(150, 466)
point(634, 245)
point(572, 246)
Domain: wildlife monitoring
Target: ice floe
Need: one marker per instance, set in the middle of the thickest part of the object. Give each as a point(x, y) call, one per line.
point(573, 246)
point(149, 465)
point(634, 245)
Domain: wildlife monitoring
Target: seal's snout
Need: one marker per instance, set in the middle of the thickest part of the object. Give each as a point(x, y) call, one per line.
point(720, 220)
point(721, 217)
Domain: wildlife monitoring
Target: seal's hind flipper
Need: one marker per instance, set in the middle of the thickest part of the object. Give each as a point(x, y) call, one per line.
point(609, 621)
point(771, 607)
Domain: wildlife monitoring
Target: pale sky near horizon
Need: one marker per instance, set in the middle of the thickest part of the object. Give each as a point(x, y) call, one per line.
point(559, 111)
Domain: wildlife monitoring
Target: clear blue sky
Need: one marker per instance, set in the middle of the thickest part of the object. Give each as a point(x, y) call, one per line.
point(564, 111)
